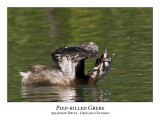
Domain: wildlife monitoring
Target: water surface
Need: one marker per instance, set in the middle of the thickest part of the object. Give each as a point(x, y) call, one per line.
point(33, 33)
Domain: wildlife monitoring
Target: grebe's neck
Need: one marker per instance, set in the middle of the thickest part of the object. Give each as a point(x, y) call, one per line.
point(98, 72)
point(101, 68)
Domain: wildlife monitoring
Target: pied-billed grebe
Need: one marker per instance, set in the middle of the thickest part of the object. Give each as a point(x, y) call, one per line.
point(69, 67)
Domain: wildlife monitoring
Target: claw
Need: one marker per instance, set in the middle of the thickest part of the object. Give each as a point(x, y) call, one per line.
point(113, 55)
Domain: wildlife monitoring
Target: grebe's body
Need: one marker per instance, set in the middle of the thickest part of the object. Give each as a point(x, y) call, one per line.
point(69, 68)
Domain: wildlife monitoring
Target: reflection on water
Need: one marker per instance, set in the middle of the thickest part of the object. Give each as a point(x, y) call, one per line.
point(65, 94)
point(33, 33)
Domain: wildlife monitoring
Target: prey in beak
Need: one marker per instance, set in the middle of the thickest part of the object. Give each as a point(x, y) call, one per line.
point(105, 57)
point(102, 66)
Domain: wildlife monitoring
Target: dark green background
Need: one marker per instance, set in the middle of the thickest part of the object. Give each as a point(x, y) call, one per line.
point(33, 33)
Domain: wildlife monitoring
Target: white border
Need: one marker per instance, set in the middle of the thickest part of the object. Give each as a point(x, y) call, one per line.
point(126, 113)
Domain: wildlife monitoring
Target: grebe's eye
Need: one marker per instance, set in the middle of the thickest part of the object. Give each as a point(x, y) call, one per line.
point(103, 60)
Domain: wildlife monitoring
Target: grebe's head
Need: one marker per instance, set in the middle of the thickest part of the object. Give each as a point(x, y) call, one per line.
point(105, 57)
point(103, 64)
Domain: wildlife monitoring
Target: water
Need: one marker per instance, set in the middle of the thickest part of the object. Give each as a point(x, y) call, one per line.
point(33, 33)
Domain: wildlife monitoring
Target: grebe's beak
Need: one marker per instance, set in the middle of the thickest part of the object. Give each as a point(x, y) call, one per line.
point(106, 59)
point(105, 54)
